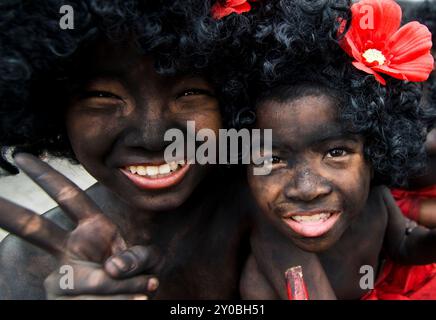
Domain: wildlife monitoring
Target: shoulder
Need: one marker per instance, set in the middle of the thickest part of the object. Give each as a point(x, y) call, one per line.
point(24, 266)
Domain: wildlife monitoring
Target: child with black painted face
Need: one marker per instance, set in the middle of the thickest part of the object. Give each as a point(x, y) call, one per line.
point(104, 94)
point(338, 136)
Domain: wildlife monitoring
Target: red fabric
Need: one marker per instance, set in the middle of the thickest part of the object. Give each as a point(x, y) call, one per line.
point(402, 53)
point(410, 201)
point(397, 282)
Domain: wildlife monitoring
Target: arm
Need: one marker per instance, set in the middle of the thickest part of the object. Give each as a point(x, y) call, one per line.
point(405, 241)
point(427, 213)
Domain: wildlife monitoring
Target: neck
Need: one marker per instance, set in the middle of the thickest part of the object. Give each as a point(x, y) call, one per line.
point(143, 227)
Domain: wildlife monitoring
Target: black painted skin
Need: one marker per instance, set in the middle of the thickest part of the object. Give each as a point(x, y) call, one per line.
point(317, 165)
point(198, 227)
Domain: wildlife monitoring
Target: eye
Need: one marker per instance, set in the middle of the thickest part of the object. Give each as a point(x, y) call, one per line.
point(100, 94)
point(194, 92)
point(273, 160)
point(336, 153)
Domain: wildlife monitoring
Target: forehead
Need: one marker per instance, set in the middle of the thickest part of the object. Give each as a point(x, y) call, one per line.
point(305, 118)
point(303, 112)
point(114, 60)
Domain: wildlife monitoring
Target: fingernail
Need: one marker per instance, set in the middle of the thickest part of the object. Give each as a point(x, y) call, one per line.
point(153, 284)
point(120, 264)
point(140, 297)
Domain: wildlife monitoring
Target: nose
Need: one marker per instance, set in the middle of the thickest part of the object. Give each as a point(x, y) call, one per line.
point(306, 185)
point(147, 128)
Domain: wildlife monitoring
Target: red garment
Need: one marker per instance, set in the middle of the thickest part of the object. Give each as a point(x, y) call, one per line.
point(410, 201)
point(397, 282)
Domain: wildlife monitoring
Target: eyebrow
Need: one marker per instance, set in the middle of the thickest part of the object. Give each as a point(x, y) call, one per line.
point(314, 139)
point(340, 136)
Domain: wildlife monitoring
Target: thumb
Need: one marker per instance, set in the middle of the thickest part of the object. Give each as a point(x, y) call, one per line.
point(132, 261)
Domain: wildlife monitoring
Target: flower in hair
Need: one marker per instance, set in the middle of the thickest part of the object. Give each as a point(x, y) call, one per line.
point(378, 45)
point(223, 8)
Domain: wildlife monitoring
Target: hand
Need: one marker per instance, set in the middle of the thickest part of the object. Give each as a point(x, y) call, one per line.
point(103, 267)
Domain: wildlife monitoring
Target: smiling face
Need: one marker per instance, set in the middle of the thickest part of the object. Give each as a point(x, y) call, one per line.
point(117, 119)
point(319, 180)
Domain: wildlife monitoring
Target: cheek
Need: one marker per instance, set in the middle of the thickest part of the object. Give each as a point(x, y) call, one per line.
point(354, 185)
point(89, 134)
point(265, 189)
point(207, 118)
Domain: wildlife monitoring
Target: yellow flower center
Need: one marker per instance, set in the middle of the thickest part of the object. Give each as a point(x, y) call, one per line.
point(374, 55)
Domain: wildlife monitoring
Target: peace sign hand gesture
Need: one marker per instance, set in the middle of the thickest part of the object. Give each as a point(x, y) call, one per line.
point(103, 267)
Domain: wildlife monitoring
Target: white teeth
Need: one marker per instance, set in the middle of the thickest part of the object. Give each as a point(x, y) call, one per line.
point(164, 169)
point(312, 218)
point(173, 166)
point(155, 170)
point(152, 170)
point(142, 171)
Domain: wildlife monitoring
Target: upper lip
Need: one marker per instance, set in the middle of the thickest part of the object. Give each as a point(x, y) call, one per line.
point(309, 213)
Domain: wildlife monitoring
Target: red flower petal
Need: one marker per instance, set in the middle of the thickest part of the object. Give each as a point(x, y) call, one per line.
point(220, 11)
point(245, 7)
point(374, 21)
point(366, 69)
point(417, 70)
point(410, 42)
point(350, 47)
point(234, 3)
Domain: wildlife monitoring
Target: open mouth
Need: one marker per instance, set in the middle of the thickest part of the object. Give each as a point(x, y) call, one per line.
point(313, 223)
point(149, 177)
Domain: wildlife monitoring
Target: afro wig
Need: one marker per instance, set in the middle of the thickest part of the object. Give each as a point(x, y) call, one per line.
point(296, 42)
point(37, 58)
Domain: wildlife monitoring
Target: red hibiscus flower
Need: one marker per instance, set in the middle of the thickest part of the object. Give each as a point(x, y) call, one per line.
point(222, 9)
point(378, 44)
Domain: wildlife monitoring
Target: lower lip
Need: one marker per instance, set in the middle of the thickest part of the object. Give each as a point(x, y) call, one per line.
point(147, 183)
point(313, 229)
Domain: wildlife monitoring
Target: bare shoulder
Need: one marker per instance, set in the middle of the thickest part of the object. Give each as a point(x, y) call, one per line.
point(24, 266)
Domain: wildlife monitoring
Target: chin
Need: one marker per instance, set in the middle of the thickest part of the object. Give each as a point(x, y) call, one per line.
point(315, 245)
point(161, 202)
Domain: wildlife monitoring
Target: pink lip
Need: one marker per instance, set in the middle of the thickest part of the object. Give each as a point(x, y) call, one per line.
point(147, 183)
point(312, 229)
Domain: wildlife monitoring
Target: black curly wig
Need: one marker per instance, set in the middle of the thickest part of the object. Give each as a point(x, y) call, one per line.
point(37, 58)
point(296, 42)
point(425, 13)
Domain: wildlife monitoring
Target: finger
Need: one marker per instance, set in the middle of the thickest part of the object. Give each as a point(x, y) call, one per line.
point(31, 227)
point(70, 198)
point(94, 297)
point(95, 281)
point(133, 261)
